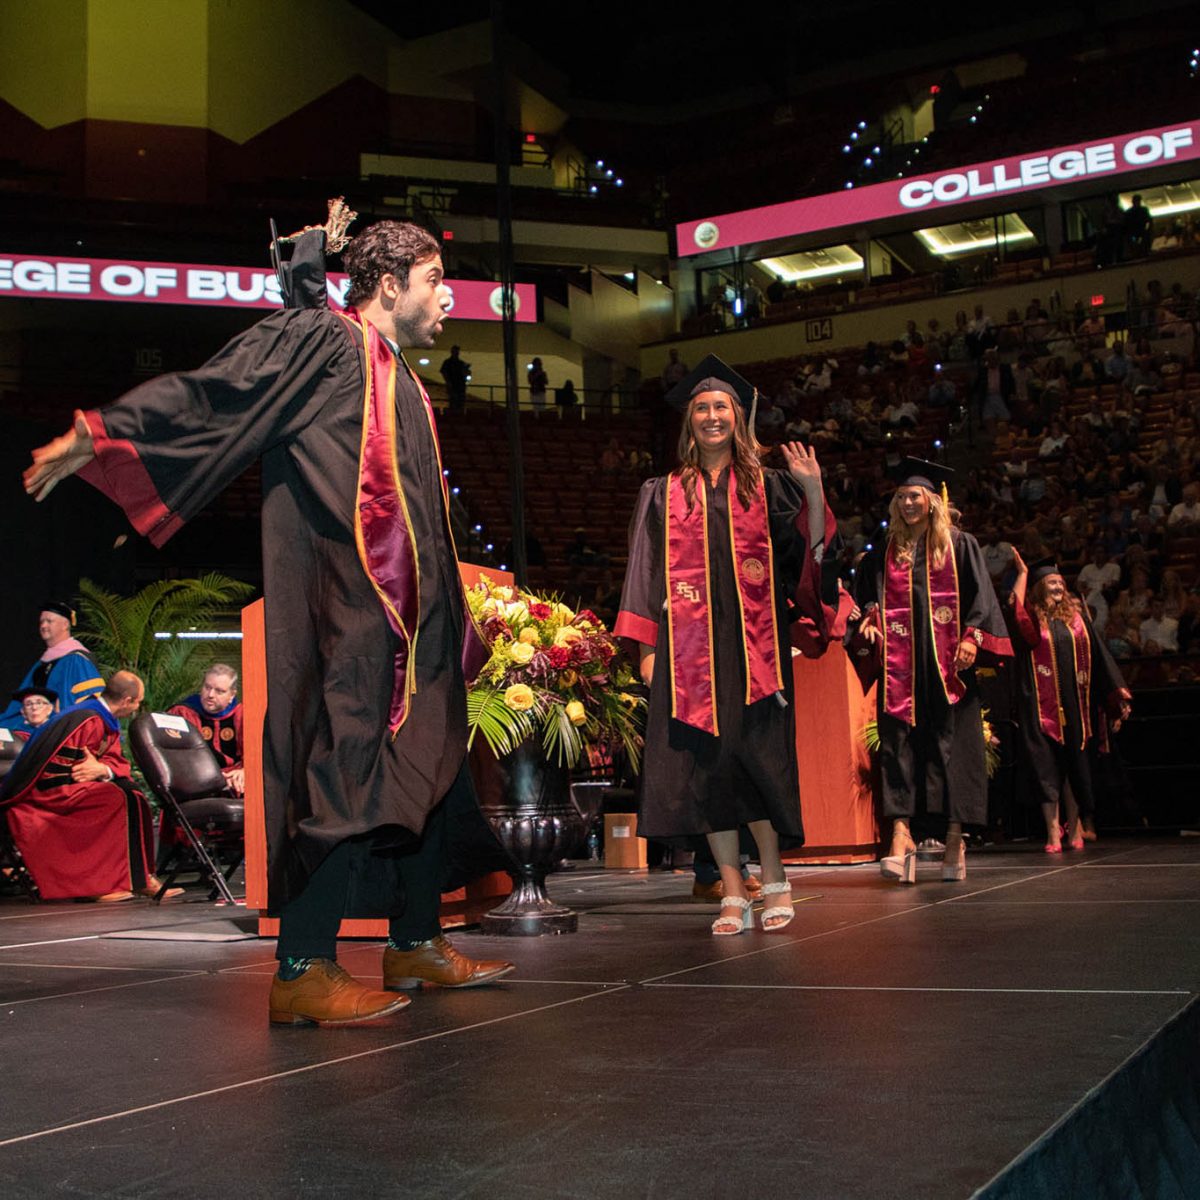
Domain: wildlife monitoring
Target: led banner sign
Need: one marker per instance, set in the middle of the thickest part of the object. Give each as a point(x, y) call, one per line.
point(34, 277)
point(944, 189)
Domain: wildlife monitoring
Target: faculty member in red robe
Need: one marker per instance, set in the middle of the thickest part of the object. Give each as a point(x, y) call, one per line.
point(216, 712)
point(82, 828)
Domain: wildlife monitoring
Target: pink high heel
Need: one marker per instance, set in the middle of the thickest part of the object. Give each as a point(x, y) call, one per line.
point(1054, 841)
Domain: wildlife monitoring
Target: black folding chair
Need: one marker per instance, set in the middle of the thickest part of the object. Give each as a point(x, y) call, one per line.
point(12, 865)
point(200, 814)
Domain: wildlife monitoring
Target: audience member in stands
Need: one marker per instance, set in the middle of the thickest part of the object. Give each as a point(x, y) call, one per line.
point(1120, 636)
point(83, 828)
point(1069, 687)
point(538, 383)
point(216, 712)
point(1117, 364)
point(1158, 632)
point(957, 348)
point(674, 370)
point(1136, 226)
point(456, 372)
point(942, 392)
point(38, 705)
point(981, 333)
point(821, 379)
point(1090, 332)
point(612, 458)
point(694, 782)
point(1054, 442)
point(776, 294)
point(994, 388)
point(566, 396)
point(1184, 517)
point(1099, 575)
point(581, 553)
point(65, 667)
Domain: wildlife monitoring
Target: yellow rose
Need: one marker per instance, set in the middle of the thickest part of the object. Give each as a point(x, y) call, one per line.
point(503, 593)
point(519, 697)
point(576, 714)
point(528, 635)
point(516, 612)
point(566, 635)
point(569, 678)
point(520, 652)
point(563, 613)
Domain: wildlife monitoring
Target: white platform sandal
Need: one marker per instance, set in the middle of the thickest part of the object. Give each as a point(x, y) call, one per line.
point(781, 914)
point(728, 926)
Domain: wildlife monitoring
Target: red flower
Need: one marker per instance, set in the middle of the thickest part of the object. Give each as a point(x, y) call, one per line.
point(539, 611)
point(560, 656)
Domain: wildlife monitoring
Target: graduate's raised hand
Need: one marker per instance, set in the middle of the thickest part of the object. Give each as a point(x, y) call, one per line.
point(802, 465)
point(59, 459)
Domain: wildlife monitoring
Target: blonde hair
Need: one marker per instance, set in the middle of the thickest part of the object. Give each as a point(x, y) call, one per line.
point(943, 517)
point(746, 467)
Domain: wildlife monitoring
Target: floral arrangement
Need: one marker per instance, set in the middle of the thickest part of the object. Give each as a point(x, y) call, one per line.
point(552, 672)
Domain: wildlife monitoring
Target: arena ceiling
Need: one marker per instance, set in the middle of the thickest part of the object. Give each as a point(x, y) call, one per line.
point(662, 52)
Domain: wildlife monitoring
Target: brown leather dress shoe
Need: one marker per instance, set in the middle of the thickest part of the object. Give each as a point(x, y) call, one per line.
point(714, 893)
point(437, 962)
point(327, 995)
point(114, 897)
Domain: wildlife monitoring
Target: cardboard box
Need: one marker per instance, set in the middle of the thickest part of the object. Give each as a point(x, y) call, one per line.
point(622, 846)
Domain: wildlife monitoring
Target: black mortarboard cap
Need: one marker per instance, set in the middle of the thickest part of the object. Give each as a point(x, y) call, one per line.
point(46, 693)
point(917, 472)
point(713, 375)
point(59, 606)
point(302, 276)
point(1042, 568)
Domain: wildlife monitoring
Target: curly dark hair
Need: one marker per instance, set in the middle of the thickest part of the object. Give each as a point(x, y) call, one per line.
point(386, 248)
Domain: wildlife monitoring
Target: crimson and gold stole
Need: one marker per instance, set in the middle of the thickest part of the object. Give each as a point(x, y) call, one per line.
point(689, 601)
point(383, 530)
point(899, 616)
point(1044, 663)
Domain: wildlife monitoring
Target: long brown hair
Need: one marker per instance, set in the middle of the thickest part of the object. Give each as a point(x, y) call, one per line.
point(943, 517)
point(1063, 611)
point(746, 452)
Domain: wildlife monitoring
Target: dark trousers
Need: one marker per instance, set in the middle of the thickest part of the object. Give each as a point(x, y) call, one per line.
point(309, 923)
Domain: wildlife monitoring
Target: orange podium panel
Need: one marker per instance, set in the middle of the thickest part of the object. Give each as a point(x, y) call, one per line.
point(835, 768)
point(459, 907)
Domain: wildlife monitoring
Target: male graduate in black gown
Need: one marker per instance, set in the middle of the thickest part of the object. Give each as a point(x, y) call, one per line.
point(364, 745)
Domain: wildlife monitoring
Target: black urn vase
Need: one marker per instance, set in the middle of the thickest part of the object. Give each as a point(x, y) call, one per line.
point(527, 801)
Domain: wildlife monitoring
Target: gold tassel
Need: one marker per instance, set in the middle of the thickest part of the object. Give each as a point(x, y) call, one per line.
point(336, 224)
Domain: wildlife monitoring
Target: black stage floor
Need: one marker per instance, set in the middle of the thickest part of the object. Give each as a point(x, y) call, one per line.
point(894, 1042)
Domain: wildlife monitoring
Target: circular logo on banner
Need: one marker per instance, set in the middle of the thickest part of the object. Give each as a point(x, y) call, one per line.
point(227, 735)
point(706, 234)
point(496, 302)
point(206, 733)
point(943, 614)
point(753, 570)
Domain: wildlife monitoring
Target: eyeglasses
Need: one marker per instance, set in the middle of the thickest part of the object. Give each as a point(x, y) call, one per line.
point(36, 704)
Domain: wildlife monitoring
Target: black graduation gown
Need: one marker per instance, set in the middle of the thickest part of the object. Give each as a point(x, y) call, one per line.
point(1043, 764)
point(939, 764)
point(693, 783)
point(289, 391)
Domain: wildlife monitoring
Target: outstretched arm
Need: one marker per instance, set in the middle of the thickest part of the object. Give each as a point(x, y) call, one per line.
point(57, 460)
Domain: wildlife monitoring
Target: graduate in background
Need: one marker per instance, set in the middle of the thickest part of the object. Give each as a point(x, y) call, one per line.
point(1071, 692)
point(718, 550)
point(216, 711)
point(929, 610)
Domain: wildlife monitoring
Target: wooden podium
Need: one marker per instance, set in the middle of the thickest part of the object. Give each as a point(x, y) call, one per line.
point(458, 907)
point(835, 767)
